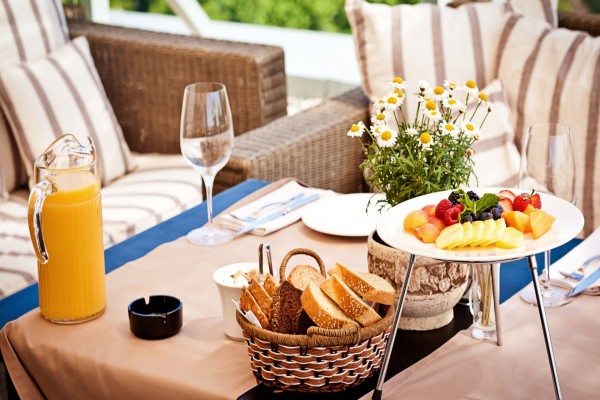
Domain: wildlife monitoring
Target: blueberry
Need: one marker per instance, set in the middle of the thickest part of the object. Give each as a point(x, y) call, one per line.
point(486, 215)
point(467, 218)
point(497, 211)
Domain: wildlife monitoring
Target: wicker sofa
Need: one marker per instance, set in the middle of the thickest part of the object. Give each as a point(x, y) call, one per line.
point(144, 74)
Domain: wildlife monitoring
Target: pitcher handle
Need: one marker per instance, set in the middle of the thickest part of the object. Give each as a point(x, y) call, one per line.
point(41, 190)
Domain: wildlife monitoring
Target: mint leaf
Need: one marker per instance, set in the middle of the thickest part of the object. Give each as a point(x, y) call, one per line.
point(476, 207)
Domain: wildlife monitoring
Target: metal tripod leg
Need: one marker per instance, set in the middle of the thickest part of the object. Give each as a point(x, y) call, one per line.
point(540, 304)
point(496, 292)
point(388, 351)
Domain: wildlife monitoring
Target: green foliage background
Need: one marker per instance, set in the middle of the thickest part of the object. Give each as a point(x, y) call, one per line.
point(319, 15)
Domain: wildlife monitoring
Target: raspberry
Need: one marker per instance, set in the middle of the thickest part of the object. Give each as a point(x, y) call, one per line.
point(443, 206)
point(451, 216)
point(460, 206)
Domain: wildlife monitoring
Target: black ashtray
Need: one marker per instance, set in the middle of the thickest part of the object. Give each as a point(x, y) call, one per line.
point(160, 318)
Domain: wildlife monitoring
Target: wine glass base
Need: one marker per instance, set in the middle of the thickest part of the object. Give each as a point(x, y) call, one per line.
point(551, 297)
point(209, 236)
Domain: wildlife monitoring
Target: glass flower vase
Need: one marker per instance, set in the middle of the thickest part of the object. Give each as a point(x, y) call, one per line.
point(482, 303)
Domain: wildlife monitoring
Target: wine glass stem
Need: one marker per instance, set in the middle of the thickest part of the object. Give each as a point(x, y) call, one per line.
point(547, 269)
point(208, 184)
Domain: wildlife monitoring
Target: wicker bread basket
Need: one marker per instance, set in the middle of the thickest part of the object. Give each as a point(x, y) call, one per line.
point(323, 360)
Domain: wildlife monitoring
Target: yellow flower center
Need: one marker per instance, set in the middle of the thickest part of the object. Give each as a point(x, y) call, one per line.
point(433, 113)
point(399, 92)
point(386, 135)
point(425, 137)
point(438, 90)
point(482, 96)
point(355, 128)
point(392, 100)
point(398, 80)
point(471, 84)
point(380, 117)
point(449, 127)
point(430, 105)
point(470, 127)
point(452, 101)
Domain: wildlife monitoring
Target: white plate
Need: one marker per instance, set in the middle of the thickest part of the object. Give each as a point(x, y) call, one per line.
point(569, 222)
point(344, 215)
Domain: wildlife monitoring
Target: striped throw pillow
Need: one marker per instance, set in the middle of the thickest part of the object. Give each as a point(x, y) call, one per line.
point(28, 30)
point(496, 156)
point(424, 41)
point(554, 76)
point(61, 93)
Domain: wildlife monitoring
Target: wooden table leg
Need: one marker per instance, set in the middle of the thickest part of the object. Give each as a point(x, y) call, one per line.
point(388, 351)
point(496, 292)
point(540, 305)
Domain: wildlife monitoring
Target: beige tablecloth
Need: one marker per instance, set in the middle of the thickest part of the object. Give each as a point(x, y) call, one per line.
point(102, 359)
point(465, 368)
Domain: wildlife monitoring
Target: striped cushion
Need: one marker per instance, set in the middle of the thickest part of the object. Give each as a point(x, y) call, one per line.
point(162, 187)
point(496, 157)
point(553, 76)
point(424, 41)
point(28, 30)
point(62, 93)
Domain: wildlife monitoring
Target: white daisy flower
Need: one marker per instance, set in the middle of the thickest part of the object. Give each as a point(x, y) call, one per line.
point(397, 83)
point(392, 101)
point(377, 129)
point(423, 85)
point(469, 128)
point(434, 115)
point(387, 138)
point(451, 86)
point(381, 118)
point(425, 140)
point(470, 87)
point(453, 104)
point(482, 97)
point(357, 130)
point(448, 128)
point(438, 93)
point(412, 132)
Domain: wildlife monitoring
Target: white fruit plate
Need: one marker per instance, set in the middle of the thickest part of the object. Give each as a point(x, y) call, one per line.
point(569, 222)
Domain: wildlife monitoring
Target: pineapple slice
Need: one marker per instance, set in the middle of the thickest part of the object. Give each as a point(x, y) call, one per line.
point(488, 232)
point(467, 236)
point(511, 239)
point(477, 233)
point(449, 235)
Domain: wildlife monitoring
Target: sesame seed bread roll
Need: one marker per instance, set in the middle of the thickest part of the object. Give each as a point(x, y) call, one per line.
point(261, 296)
point(248, 303)
point(349, 301)
point(322, 310)
point(369, 286)
point(301, 275)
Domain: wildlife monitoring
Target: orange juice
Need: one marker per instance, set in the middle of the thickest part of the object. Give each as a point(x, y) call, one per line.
point(71, 283)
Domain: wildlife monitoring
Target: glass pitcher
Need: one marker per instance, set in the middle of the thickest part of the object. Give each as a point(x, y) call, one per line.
point(65, 224)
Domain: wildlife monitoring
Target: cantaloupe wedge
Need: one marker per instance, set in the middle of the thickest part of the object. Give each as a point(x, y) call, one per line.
point(516, 219)
point(541, 222)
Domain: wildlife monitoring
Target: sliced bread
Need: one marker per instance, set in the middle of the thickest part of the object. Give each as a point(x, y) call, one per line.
point(369, 286)
point(322, 310)
point(261, 296)
point(301, 275)
point(270, 285)
point(248, 303)
point(349, 301)
point(286, 309)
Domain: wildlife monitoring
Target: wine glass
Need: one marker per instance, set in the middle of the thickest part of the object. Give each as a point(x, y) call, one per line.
point(548, 166)
point(206, 144)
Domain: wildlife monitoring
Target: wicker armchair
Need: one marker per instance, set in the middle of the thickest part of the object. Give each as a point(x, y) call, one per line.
point(312, 146)
point(144, 74)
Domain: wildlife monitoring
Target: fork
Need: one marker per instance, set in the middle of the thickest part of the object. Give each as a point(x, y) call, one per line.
point(579, 273)
point(256, 213)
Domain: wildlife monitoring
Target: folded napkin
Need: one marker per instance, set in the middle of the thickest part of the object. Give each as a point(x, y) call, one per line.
point(573, 260)
point(283, 193)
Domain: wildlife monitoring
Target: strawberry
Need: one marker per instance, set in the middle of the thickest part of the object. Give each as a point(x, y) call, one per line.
point(451, 216)
point(442, 207)
point(535, 201)
point(506, 203)
point(520, 202)
point(506, 194)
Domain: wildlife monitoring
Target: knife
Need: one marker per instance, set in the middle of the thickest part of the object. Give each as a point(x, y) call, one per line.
point(285, 210)
point(584, 284)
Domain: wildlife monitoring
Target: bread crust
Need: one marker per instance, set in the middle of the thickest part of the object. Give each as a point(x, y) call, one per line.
point(369, 286)
point(248, 303)
point(261, 296)
point(270, 285)
point(349, 301)
point(286, 309)
point(323, 311)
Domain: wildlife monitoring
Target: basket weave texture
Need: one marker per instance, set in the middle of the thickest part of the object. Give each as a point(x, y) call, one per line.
point(323, 360)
